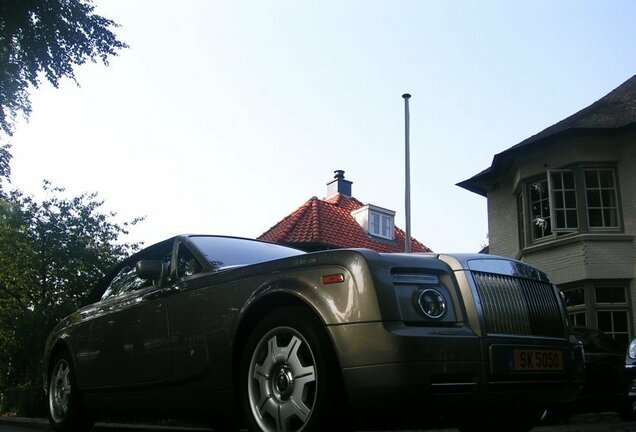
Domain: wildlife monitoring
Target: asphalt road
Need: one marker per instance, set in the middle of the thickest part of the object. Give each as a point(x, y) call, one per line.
point(606, 422)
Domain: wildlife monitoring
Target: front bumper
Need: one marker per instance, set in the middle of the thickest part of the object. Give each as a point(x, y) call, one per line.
point(398, 367)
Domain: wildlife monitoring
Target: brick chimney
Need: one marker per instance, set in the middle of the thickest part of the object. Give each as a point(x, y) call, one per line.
point(339, 185)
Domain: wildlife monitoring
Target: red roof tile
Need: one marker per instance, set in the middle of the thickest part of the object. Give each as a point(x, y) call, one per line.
point(329, 222)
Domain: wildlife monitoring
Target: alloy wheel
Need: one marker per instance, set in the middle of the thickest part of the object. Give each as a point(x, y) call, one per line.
point(282, 382)
point(60, 391)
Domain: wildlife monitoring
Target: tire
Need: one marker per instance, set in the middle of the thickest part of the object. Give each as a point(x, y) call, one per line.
point(628, 411)
point(65, 410)
point(289, 376)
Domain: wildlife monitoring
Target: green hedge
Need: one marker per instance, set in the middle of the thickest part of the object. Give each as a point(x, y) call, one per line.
point(23, 402)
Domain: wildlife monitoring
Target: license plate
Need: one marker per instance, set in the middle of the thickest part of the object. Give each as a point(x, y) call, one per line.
point(537, 360)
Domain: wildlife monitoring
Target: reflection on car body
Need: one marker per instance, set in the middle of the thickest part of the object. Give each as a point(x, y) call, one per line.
point(250, 333)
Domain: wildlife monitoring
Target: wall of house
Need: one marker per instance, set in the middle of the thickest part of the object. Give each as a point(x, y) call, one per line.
point(564, 264)
point(627, 190)
point(585, 257)
point(503, 232)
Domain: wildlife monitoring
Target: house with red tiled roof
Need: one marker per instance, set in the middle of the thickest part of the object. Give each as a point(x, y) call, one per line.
point(340, 221)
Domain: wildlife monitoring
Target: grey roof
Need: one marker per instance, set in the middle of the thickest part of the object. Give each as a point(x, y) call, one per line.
point(615, 110)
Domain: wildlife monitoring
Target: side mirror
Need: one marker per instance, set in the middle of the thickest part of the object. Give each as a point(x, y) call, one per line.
point(152, 270)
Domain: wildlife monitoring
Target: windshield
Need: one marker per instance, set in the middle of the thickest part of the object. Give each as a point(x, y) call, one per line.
point(229, 251)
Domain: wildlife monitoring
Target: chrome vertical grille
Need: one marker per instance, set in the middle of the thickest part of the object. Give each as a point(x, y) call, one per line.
point(518, 306)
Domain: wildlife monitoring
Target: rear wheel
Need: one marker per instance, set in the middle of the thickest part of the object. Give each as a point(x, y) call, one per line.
point(64, 403)
point(290, 381)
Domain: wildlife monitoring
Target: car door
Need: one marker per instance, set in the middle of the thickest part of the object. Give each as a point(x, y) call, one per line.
point(129, 333)
point(199, 328)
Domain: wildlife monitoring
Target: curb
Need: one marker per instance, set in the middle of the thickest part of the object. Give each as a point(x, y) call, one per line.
point(32, 423)
point(43, 424)
point(599, 422)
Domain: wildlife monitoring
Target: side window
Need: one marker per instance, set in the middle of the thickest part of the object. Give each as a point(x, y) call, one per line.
point(124, 282)
point(187, 264)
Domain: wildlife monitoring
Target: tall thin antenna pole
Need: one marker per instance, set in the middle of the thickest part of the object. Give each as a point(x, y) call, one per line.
point(407, 171)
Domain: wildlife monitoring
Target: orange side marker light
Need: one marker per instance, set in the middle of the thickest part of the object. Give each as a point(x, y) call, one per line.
point(332, 278)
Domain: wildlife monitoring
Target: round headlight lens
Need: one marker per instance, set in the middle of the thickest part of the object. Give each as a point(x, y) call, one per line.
point(432, 303)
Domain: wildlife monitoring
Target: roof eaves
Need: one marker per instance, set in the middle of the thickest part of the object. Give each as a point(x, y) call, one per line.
point(614, 111)
point(478, 183)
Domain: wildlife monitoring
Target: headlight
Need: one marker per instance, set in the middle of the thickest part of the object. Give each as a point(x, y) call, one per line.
point(632, 349)
point(425, 298)
point(432, 303)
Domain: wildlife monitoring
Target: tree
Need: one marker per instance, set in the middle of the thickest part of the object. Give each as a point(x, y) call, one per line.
point(47, 38)
point(52, 253)
point(5, 168)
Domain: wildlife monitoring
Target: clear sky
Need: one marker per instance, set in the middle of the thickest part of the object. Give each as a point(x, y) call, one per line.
point(225, 116)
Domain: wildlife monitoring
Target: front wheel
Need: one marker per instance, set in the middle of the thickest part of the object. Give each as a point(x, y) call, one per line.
point(290, 381)
point(64, 403)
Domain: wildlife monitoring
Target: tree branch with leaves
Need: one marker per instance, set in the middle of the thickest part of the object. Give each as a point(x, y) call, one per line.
point(46, 39)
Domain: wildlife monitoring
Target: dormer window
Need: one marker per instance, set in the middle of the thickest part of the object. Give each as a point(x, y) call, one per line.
point(380, 225)
point(377, 221)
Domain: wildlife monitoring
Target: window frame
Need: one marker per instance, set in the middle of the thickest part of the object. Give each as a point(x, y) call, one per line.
point(374, 225)
point(552, 190)
point(578, 318)
point(532, 221)
point(385, 226)
point(525, 217)
point(591, 308)
point(188, 264)
point(384, 222)
point(619, 217)
point(616, 334)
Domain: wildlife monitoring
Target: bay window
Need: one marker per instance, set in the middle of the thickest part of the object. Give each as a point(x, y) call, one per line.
point(572, 200)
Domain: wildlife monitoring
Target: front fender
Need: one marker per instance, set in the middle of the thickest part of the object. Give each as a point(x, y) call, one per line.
point(354, 299)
